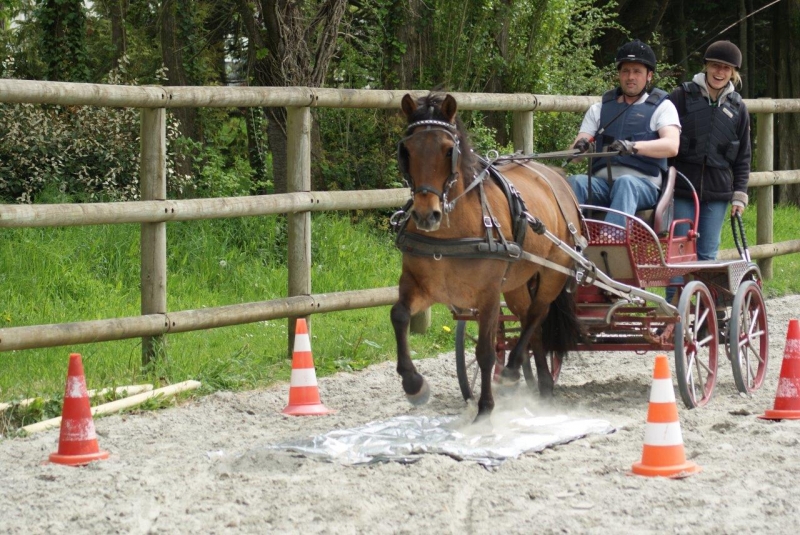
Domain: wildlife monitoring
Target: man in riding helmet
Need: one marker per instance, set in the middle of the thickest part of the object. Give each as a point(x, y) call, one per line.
point(643, 127)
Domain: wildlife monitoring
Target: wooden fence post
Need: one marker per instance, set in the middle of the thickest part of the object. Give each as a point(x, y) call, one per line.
point(421, 322)
point(523, 131)
point(298, 171)
point(764, 216)
point(153, 186)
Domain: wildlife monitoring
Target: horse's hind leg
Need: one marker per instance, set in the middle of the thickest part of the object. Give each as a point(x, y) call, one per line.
point(414, 385)
point(530, 321)
point(543, 375)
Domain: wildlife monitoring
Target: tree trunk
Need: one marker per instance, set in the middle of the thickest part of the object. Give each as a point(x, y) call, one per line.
point(787, 55)
point(119, 38)
point(680, 52)
point(744, 70)
point(276, 132)
point(172, 46)
point(495, 84)
point(641, 18)
point(291, 44)
point(408, 23)
point(751, 52)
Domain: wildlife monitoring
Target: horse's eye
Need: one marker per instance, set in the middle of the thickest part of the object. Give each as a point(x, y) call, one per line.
point(450, 152)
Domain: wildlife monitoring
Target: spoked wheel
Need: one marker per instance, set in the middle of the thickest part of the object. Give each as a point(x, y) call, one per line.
point(749, 337)
point(467, 369)
point(696, 353)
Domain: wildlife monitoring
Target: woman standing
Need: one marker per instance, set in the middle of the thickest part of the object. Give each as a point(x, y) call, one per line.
point(715, 146)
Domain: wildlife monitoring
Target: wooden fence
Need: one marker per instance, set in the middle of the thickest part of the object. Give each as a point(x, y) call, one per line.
point(155, 210)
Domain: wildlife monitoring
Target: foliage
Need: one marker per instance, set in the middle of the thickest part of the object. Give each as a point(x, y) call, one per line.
point(63, 33)
point(76, 152)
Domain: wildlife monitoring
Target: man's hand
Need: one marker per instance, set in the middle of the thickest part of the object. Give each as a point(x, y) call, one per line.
point(624, 147)
point(582, 145)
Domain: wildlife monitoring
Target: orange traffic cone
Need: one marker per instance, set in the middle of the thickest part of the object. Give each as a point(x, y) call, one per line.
point(303, 392)
point(663, 453)
point(787, 399)
point(77, 443)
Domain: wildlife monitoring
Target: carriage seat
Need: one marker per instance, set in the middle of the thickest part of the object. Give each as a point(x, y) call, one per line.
point(661, 215)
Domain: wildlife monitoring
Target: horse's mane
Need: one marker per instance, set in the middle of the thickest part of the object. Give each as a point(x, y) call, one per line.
point(429, 107)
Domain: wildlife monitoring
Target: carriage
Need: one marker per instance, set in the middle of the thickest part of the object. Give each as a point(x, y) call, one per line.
point(570, 279)
point(720, 305)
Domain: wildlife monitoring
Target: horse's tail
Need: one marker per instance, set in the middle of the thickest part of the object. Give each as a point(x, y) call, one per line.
point(563, 331)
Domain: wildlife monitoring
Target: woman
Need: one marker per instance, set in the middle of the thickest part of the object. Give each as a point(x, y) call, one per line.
point(715, 146)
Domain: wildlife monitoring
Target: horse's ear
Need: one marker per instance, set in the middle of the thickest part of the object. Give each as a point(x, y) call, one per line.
point(449, 108)
point(408, 105)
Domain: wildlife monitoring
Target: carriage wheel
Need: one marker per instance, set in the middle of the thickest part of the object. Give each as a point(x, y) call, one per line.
point(696, 353)
point(749, 337)
point(467, 369)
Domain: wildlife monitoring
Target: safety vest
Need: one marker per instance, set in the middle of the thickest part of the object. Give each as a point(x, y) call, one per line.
point(708, 133)
point(620, 120)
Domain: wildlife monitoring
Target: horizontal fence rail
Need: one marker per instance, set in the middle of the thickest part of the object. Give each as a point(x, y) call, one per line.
point(152, 325)
point(154, 210)
point(54, 215)
point(123, 96)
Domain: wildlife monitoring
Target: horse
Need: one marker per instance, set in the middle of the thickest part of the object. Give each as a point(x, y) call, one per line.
point(457, 239)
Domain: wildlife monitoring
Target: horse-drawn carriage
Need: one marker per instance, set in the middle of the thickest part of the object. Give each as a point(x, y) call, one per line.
point(572, 283)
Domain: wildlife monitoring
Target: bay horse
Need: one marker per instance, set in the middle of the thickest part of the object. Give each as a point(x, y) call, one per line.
point(457, 238)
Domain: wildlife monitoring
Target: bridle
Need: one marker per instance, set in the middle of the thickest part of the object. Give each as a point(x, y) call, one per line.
point(431, 125)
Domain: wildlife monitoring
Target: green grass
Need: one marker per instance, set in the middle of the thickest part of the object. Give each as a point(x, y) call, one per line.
point(85, 273)
point(786, 226)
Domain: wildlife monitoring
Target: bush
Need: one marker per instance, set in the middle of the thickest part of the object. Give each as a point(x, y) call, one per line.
point(83, 152)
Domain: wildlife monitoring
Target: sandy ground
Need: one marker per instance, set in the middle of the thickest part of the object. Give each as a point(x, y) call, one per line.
point(203, 467)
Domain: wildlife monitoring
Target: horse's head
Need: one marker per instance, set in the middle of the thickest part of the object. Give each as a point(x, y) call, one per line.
point(432, 156)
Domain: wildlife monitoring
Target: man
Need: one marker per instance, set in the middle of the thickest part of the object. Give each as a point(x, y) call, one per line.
point(642, 127)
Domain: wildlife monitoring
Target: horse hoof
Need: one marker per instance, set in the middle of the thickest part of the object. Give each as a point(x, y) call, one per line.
point(509, 377)
point(482, 424)
point(421, 397)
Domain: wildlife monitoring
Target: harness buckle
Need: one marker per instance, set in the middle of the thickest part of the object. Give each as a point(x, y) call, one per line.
point(487, 221)
point(495, 222)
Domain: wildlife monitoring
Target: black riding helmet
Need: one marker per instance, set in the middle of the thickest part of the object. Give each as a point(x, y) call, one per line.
point(724, 52)
point(636, 52)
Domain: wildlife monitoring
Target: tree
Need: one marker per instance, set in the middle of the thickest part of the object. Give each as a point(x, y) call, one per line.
point(177, 40)
point(291, 44)
point(787, 85)
point(63, 27)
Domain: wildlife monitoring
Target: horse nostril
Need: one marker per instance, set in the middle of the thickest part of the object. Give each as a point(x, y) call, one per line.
point(415, 216)
point(436, 216)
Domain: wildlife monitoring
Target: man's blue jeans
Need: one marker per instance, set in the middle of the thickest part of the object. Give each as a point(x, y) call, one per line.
point(709, 226)
point(628, 194)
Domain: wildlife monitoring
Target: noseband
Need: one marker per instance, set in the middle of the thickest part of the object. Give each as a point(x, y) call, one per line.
point(431, 125)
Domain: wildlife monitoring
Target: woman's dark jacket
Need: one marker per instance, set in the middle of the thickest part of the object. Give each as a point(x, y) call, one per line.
point(715, 147)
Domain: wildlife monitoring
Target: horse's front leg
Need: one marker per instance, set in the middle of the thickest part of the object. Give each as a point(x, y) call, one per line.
point(486, 357)
point(414, 385)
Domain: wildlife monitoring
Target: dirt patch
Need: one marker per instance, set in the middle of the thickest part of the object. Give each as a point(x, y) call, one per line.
point(202, 467)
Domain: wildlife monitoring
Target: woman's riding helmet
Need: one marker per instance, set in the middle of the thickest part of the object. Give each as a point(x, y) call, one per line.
point(636, 52)
point(724, 52)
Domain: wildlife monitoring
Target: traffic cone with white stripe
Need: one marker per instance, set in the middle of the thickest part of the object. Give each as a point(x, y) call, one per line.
point(663, 453)
point(303, 391)
point(77, 444)
point(787, 398)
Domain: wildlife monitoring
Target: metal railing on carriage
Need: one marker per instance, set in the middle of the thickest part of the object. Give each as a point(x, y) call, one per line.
point(155, 210)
